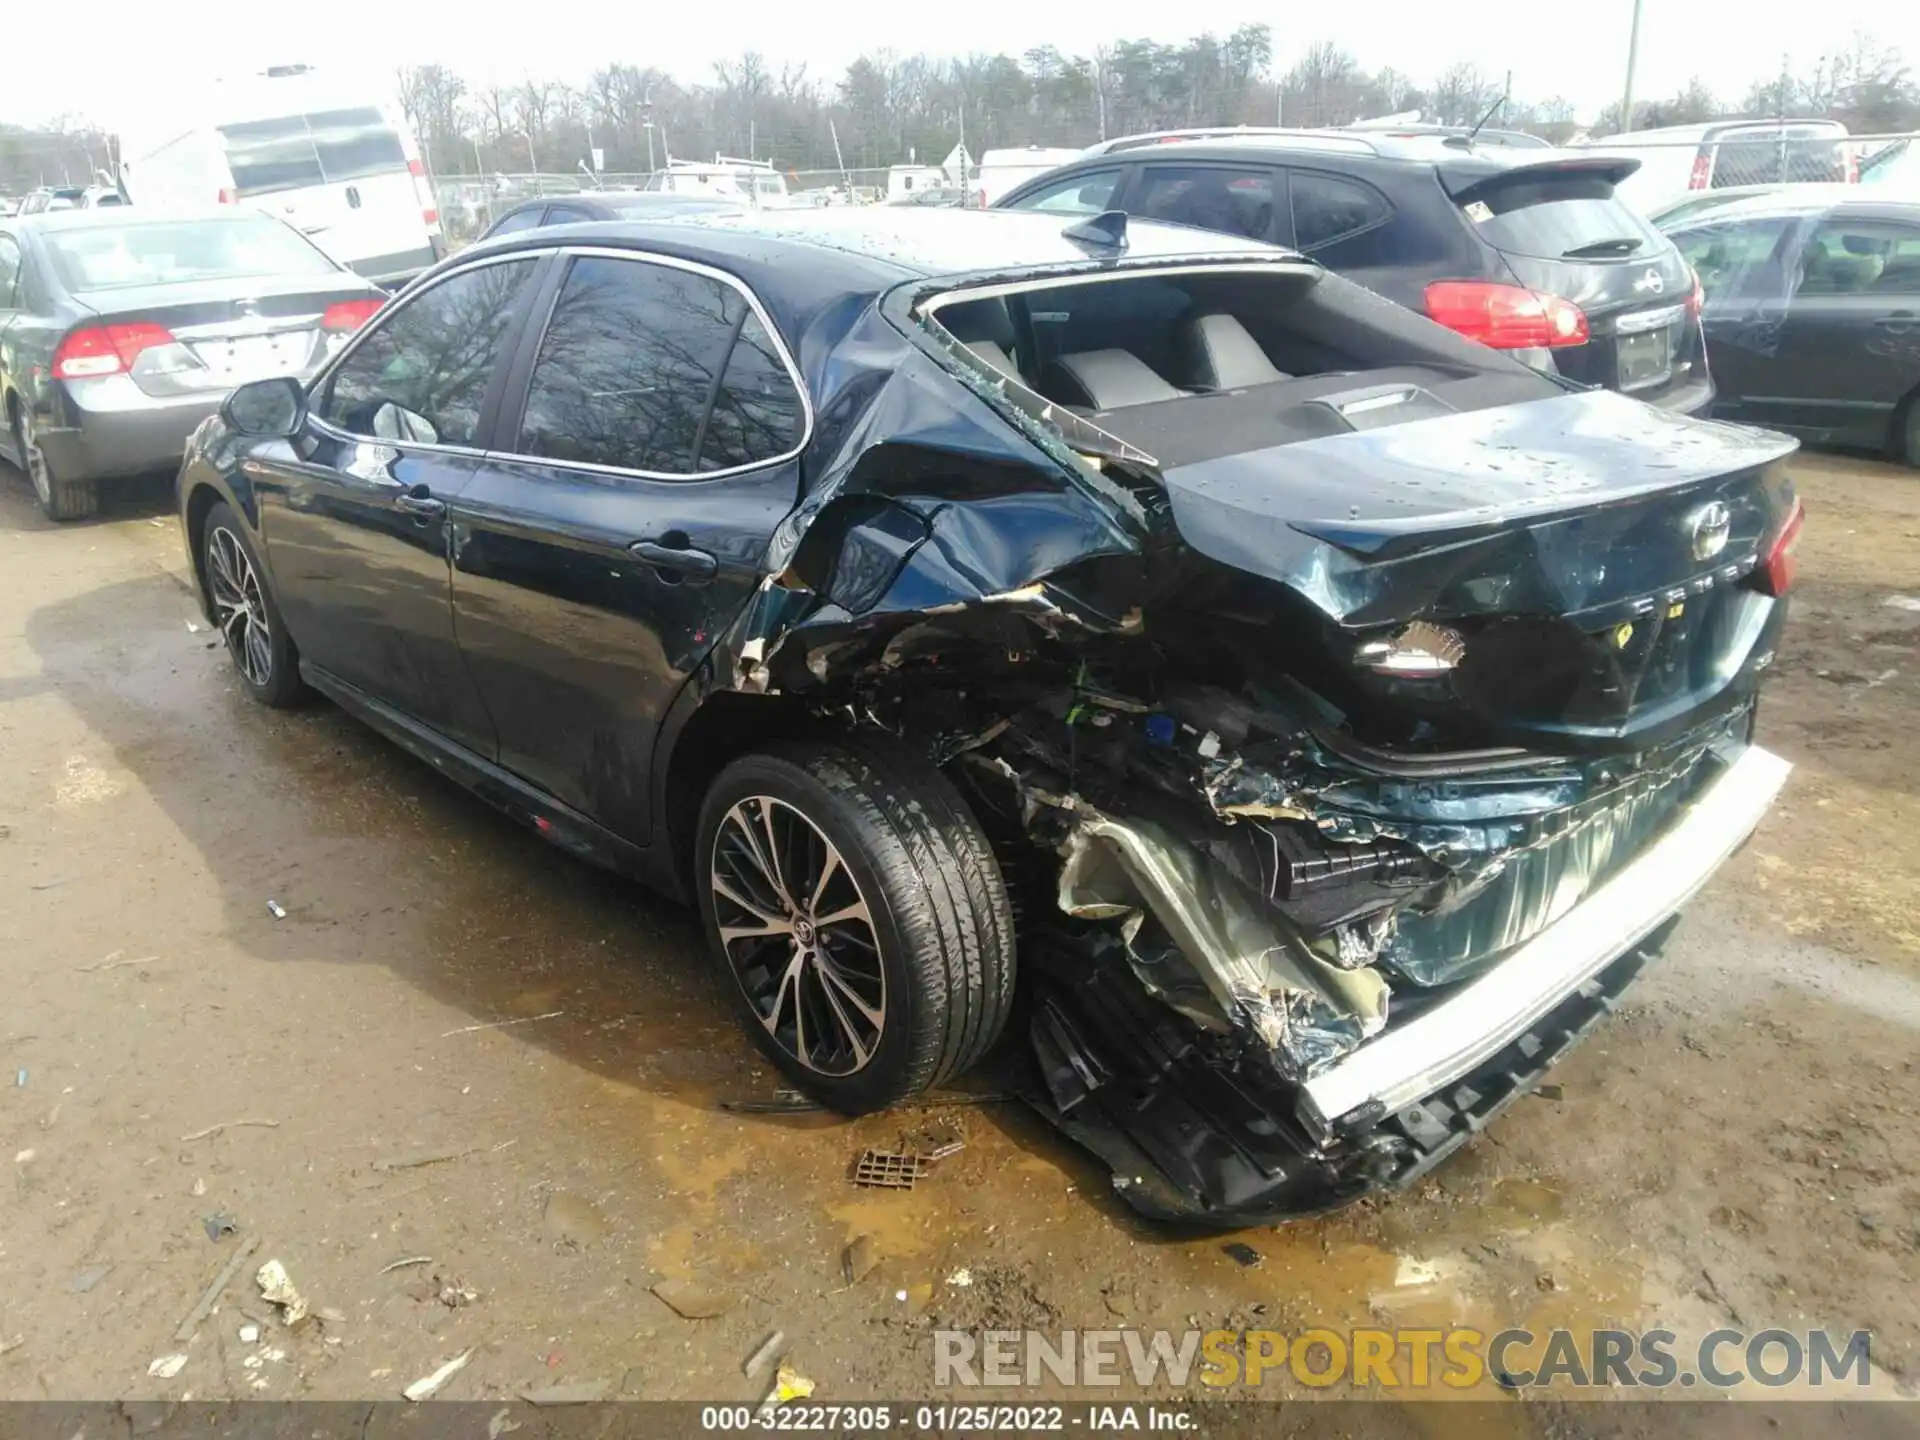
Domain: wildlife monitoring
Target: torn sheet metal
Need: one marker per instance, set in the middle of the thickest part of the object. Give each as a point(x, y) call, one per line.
point(1175, 905)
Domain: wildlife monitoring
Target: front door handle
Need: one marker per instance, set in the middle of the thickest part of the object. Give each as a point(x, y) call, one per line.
point(676, 560)
point(1899, 321)
point(419, 502)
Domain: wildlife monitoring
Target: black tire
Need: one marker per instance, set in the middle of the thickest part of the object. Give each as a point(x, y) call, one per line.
point(61, 499)
point(940, 920)
point(265, 659)
point(1906, 431)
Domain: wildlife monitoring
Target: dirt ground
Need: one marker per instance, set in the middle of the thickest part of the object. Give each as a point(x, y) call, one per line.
point(1737, 1146)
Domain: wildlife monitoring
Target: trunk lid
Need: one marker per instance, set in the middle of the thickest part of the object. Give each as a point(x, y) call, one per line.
point(1596, 553)
point(227, 332)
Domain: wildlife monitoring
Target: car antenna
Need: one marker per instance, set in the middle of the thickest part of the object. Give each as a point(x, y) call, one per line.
point(1481, 123)
point(1107, 230)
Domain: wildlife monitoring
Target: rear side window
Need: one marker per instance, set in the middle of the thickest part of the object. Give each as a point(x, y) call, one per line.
point(566, 215)
point(1209, 197)
point(1732, 257)
point(353, 144)
point(420, 372)
point(1571, 217)
point(1327, 208)
point(526, 219)
point(268, 155)
point(1078, 195)
point(637, 371)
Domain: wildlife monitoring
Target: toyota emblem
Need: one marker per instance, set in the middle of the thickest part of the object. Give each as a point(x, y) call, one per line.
point(1650, 283)
point(1712, 523)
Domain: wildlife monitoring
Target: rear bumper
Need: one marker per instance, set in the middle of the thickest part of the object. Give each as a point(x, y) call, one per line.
point(1193, 1141)
point(114, 431)
point(1422, 1055)
point(1695, 398)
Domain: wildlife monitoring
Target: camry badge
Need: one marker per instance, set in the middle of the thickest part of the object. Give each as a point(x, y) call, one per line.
point(1712, 523)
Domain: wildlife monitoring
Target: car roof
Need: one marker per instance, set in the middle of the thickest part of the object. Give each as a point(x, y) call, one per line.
point(121, 217)
point(896, 243)
point(1797, 200)
point(1461, 164)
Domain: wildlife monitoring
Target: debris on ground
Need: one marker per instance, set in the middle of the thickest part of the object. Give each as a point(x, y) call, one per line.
point(276, 909)
point(22, 1157)
point(14, 1344)
point(1550, 1092)
point(405, 1261)
point(276, 1288)
point(212, 1130)
point(386, 1165)
point(1902, 602)
point(204, 1306)
point(788, 1384)
point(763, 1355)
point(501, 1422)
point(249, 1333)
point(1241, 1253)
point(114, 962)
point(579, 1392)
point(961, 1278)
point(83, 1282)
point(859, 1258)
point(453, 1293)
point(427, 1384)
point(198, 1188)
point(220, 1223)
point(945, 1151)
point(20, 1078)
point(691, 1300)
point(166, 1367)
point(888, 1169)
point(503, 1024)
point(784, 1102)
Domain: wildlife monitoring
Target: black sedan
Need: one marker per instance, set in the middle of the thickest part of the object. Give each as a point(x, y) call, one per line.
point(1813, 314)
point(604, 205)
point(1334, 711)
point(122, 329)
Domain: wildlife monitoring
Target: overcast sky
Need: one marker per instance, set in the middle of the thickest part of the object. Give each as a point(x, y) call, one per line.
point(137, 52)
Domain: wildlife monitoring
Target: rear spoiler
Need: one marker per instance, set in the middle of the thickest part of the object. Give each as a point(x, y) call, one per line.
point(1466, 185)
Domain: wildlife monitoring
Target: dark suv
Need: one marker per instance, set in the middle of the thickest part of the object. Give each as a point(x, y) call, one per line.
point(1526, 250)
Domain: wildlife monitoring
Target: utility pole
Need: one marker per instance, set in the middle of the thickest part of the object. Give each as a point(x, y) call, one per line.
point(1633, 63)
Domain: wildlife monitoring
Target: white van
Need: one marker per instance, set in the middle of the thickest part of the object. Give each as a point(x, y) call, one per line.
point(751, 182)
point(332, 160)
point(1678, 159)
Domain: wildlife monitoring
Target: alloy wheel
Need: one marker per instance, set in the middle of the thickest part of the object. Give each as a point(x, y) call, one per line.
point(239, 607)
point(799, 936)
point(35, 461)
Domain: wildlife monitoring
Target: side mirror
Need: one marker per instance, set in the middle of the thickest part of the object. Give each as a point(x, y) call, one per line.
point(266, 409)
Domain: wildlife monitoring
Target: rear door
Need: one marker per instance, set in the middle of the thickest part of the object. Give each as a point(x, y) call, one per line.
point(648, 453)
point(355, 514)
point(1745, 273)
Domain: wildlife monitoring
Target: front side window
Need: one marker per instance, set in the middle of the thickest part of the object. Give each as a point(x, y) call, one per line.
point(1861, 257)
point(1079, 195)
point(652, 368)
point(1209, 197)
point(420, 373)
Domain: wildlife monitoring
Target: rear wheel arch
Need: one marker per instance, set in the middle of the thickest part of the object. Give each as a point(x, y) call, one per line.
point(1904, 437)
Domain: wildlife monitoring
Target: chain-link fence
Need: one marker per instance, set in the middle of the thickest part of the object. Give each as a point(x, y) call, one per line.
point(1747, 153)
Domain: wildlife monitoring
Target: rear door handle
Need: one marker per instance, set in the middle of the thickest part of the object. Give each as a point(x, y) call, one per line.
point(1900, 321)
point(419, 501)
point(676, 560)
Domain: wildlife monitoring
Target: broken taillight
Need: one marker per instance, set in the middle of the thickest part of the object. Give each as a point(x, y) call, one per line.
point(1774, 575)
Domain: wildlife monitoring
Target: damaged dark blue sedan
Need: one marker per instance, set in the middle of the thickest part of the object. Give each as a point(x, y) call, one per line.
point(1333, 713)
